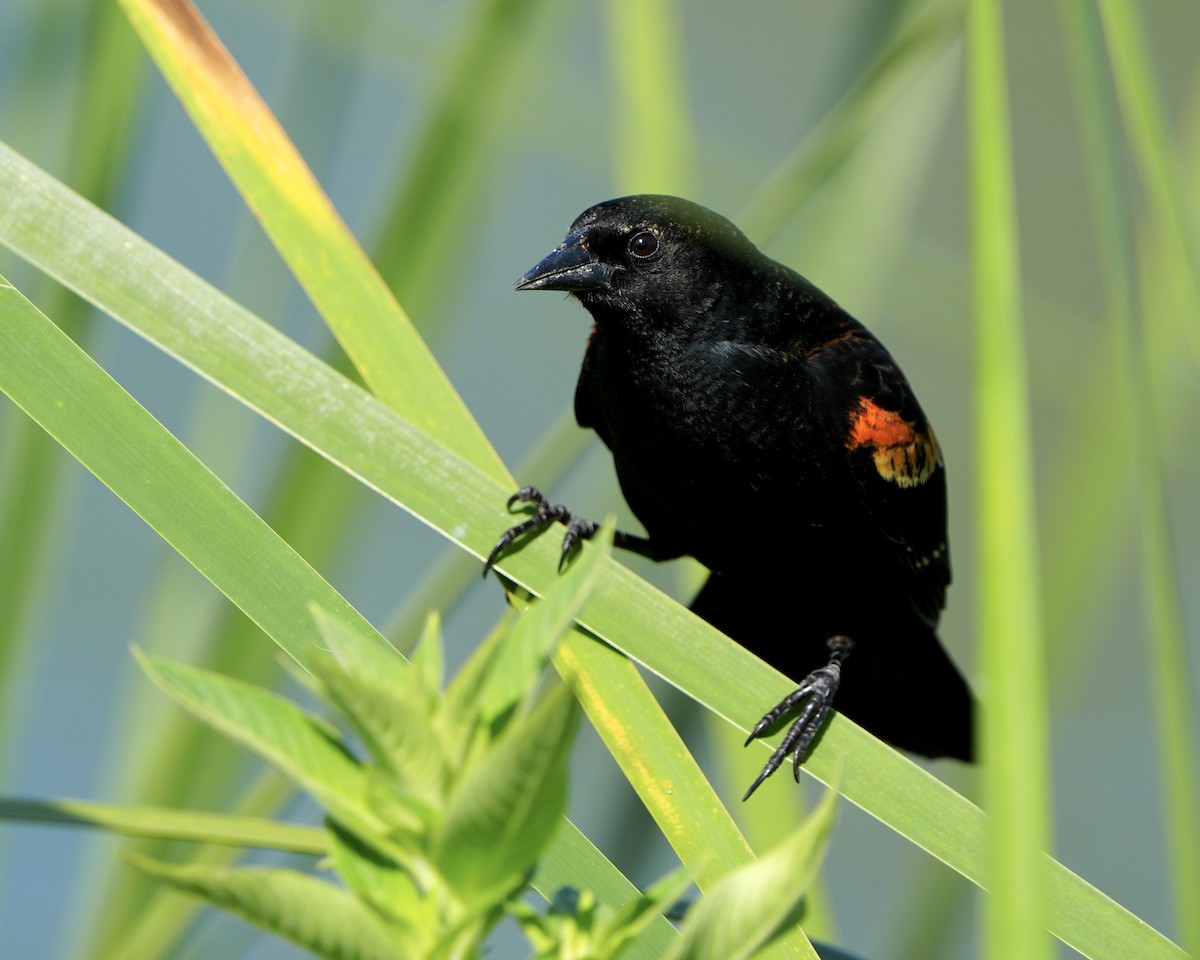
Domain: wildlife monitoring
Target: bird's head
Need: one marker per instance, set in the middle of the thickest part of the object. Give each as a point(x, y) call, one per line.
point(646, 255)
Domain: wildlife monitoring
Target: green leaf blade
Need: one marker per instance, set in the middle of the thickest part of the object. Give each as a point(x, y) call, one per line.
point(294, 741)
point(1013, 739)
point(129, 451)
point(166, 823)
point(310, 912)
point(302, 223)
point(506, 807)
point(391, 715)
point(384, 886)
point(527, 648)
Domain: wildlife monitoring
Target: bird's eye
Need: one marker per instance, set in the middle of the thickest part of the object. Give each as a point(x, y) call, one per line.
point(643, 245)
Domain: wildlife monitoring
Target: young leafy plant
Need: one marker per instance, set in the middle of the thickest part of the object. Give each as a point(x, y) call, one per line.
point(435, 824)
point(743, 916)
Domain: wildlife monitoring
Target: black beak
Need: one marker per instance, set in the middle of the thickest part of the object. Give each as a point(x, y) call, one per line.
point(569, 266)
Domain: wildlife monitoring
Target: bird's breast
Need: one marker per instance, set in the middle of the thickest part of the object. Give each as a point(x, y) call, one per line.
point(707, 433)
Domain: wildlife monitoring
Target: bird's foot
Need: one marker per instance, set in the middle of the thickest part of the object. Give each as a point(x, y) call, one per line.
point(545, 513)
point(813, 697)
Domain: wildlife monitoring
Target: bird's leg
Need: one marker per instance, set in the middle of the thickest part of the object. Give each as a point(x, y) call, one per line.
point(813, 697)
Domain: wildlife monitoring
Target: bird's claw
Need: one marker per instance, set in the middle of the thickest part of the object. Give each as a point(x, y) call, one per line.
point(578, 528)
point(545, 513)
point(528, 494)
point(814, 697)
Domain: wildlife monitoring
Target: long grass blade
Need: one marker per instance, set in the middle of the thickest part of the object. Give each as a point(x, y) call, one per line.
point(672, 786)
point(1169, 674)
point(370, 325)
point(105, 110)
point(935, 26)
point(1144, 109)
point(77, 403)
point(653, 144)
point(452, 153)
point(1013, 741)
point(168, 823)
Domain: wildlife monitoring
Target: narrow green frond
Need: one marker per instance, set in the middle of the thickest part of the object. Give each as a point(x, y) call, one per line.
point(310, 912)
point(164, 823)
point(1013, 741)
point(1168, 659)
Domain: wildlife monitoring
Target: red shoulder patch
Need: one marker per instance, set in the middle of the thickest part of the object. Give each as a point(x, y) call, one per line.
point(903, 454)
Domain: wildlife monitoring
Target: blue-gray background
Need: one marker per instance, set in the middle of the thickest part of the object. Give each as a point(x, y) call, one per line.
point(887, 235)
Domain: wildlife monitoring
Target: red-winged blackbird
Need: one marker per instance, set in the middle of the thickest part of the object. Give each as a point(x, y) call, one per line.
point(759, 428)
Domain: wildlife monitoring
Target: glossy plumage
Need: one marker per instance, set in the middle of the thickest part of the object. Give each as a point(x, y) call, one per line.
point(758, 427)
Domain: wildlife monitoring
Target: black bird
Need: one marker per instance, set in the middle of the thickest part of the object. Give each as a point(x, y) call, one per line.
point(758, 427)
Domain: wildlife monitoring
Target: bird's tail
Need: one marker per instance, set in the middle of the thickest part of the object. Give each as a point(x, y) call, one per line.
point(898, 683)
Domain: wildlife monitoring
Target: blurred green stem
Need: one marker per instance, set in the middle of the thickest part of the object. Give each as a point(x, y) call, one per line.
point(1013, 730)
point(1168, 662)
point(1144, 109)
point(654, 144)
point(104, 114)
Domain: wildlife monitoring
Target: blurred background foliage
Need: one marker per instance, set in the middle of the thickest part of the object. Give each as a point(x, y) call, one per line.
point(458, 140)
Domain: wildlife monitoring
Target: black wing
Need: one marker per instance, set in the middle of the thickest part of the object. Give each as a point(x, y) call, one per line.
point(896, 462)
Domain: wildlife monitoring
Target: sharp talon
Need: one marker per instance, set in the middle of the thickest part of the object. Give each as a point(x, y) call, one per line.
point(757, 782)
point(811, 701)
point(492, 557)
point(545, 513)
point(759, 729)
point(528, 494)
point(577, 529)
point(495, 555)
point(507, 538)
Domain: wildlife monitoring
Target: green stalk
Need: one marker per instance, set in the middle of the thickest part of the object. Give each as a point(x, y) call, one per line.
point(104, 114)
point(1013, 729)
point(168, 823)
point(832, 141)
point(653, 141)
point(674, 789)
point(1168, 663)
point(421, 234)
point(1144, 109)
